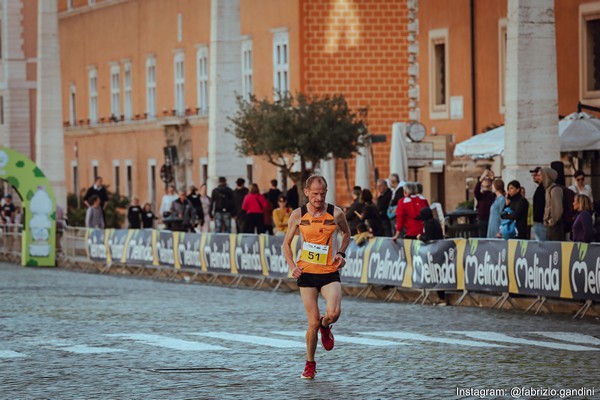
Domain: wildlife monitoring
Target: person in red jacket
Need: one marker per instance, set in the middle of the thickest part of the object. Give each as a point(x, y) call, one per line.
point(254, 205)
point(407, 213)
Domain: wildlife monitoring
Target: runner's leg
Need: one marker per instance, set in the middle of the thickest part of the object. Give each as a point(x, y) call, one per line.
point(332, 293)
point(310, 297)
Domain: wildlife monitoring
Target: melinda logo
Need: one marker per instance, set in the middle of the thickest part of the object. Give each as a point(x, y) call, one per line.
point(591, 276)
point(427, 271)
point(536, 276)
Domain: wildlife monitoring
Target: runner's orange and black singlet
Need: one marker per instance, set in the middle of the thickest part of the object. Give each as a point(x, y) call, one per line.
point(318, 242)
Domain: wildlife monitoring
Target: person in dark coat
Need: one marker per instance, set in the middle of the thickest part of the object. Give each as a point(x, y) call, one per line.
point(355, 208)
point(239, 193)
point(519, 207)
point(134, 214)
point(431, 226)
point(383, 202)
point(485, 198)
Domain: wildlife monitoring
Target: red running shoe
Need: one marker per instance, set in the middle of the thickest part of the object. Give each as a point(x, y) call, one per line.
point(326, 336)
point(310, 370)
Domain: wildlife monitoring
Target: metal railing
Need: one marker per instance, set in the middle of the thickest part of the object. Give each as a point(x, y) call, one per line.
point(10, 241)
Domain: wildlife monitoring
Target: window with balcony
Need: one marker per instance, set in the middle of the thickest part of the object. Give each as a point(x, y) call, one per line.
point(115, 91)
point(438, 74)
point(179, 83)
point(151, 87)
point(247, 84)
point(281, 66)
point(93, 83)
point(590, 50)
point(127, 95)
point(202, 77)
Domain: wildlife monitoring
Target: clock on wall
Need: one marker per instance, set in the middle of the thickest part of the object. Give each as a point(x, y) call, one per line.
point(416, 131)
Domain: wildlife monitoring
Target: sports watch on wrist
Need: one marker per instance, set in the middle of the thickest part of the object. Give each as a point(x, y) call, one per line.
point(342, 254)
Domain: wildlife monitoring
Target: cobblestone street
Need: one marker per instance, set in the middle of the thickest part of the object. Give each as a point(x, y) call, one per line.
point(67, 335)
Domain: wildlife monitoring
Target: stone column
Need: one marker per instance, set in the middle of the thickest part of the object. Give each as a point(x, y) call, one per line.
point(362, 174)
point(225, 81)
point(16, 131)
point(328, 172)
point(531, 136)
point(50, 144)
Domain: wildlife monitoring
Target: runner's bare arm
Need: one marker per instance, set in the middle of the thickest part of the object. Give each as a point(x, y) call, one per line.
point(340, 220)
point(293, 223)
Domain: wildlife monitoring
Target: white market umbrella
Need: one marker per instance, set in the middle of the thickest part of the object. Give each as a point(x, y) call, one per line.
point(398, 157)
point(577, 132)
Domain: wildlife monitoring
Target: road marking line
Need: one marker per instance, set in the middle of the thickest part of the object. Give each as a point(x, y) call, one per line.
point(500, 337)
point(572, 337)
point(83, 349)
point(347, 339)
point(265, 341)
point(10, 354)
point(424, 338)
point(167, 342)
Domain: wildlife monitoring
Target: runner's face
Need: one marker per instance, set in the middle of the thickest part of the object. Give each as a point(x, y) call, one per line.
point(316, 194)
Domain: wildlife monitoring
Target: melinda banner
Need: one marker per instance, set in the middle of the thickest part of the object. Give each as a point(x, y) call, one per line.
point(216, 253)
point(486, 265)
point(387, 263)
point(435, 264)
point(139, 247)
point(535, 268)
point(583, 271)
point(96, 244)
point(273, 260)
point(117, 238)
point(164, 248)
point(355, 262)
point(247, 255)
point(188, 249)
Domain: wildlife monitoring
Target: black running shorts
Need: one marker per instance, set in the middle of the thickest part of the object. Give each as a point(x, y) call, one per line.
point(317, 280)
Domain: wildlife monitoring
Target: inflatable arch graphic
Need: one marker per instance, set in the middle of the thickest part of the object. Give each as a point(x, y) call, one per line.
point(38, 246)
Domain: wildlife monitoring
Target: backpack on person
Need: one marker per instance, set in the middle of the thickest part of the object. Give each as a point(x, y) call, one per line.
point(569, 213)
point(223, 202)
point(508, 227)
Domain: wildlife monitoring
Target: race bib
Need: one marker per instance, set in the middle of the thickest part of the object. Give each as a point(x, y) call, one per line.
point(314, 253)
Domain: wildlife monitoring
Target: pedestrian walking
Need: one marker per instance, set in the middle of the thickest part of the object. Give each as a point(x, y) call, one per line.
point(317, 266)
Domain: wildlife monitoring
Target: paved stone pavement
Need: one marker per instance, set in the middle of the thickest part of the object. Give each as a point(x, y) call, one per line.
point(71, 335)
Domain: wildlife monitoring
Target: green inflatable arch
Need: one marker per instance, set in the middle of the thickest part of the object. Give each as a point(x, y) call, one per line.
point(38, 246)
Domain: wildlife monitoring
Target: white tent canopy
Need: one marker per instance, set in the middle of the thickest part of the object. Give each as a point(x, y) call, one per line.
point(577, 132)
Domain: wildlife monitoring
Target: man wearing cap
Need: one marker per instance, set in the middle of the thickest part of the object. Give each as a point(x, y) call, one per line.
point(8, 210)
point(539, 203)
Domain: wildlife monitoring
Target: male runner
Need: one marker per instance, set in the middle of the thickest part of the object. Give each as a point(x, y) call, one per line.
point(316, 268)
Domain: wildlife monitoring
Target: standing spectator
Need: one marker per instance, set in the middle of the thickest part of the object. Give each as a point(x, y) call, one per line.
point(94, 217)
point(583, 227)
point(181, 209)
point(281, 215)
point(292, 197)
point(519, 207)
point(355, 208)
point(424, 201)
point(432, 230)
point(383, 202)
point(222, 206)
point(369, 215)
point(553, 211)
point(167, 199)
point(397, 194)
point(568, 197)
point(496, 209)
point(485, 198)
point(197, 218)
point(99, 190)
point(8, 210)
point(409, 208)
point(148, 217)
point(205, 201)
point(580, 187)
point(134, 214)
point(539, 204)
point(272, 195)
point(239, 193)
point(254, 205)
